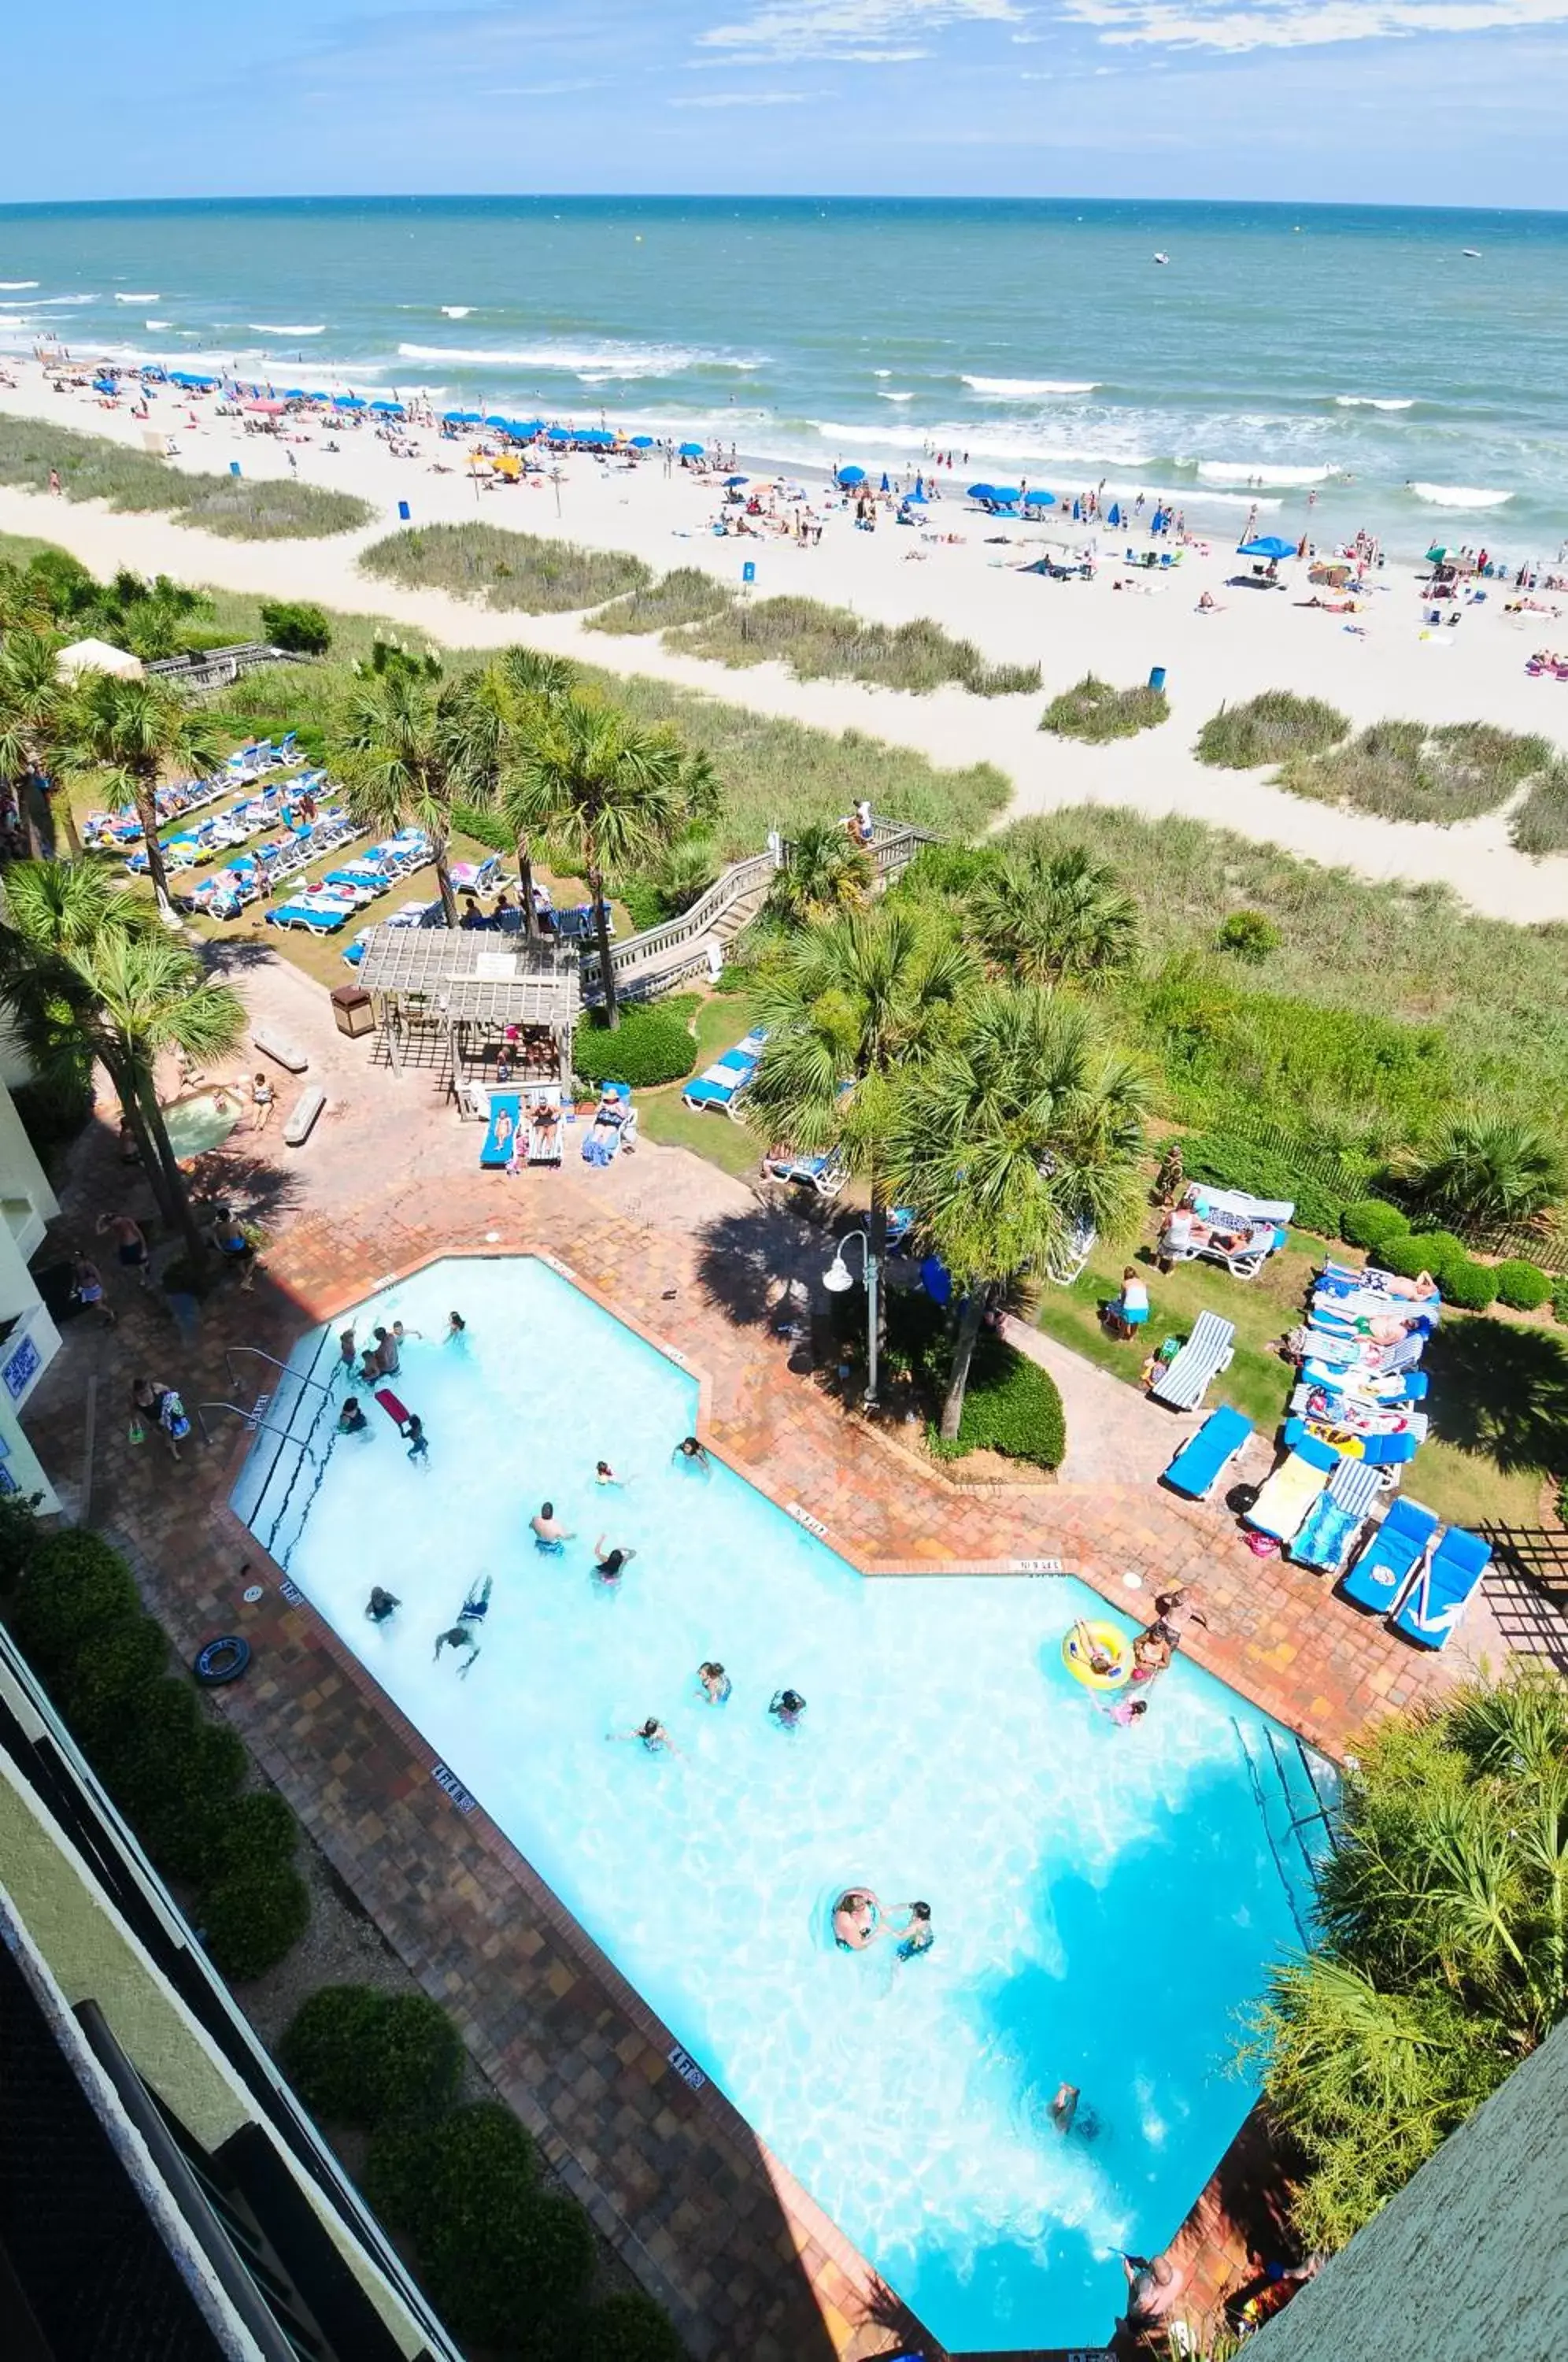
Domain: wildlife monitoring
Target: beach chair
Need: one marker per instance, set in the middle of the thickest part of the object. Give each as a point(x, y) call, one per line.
point(1377, 1580)
point(606, 1137)
point(1204, 1457)
point(825, 1174)
point(501, 1133)
point(1184, 1382)
point(902, 1222)
point(315, 918)
point(1434, 1606)
point(1286, 1498)
point(722, 1086)
point(1067, 1258)
point(1336, 1517)
point(477, 876)
point(545, 1119)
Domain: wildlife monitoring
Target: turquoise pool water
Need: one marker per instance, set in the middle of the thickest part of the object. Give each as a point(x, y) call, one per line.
point(1105, 1901)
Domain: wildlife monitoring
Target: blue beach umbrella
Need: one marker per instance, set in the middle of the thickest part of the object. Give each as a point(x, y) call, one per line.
point(885, 485)
point(558, 435)
point(495, 419)
point(1268, 545)
point(390, 409)
point(730, 482)
point(348, 402)
point(1038, 500)
point(641, 443)
point(982, 491)
point(295, 393)
point(1007, 494)
point(918, 494)
point(852, 475)
point(691, 451)
point(461, 418)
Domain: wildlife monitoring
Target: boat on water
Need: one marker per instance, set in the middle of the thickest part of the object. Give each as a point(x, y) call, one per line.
point(1162, 257)
point(1471, 253)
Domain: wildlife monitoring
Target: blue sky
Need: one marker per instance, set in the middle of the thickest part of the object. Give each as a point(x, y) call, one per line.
point(1387, 100)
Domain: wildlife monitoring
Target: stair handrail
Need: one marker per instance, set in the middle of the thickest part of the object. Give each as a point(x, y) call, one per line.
point(230, 1350)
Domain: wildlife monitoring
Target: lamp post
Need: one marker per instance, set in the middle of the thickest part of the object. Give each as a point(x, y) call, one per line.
point(837, 1278)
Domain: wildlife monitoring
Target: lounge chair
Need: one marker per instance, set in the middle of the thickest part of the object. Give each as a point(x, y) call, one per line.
point(1258, 1225)
point(477, 876)
point(607, 1135)
point(1183, 1384)
point(1336, 1517)
point(1204, 1457)
point(545, 1119)
point(1378, 1579)
point(1066, 1260)
point(1432, 1608)
point(501, 1133)
point(315, 918)
point(825, 1174)
point(720, 1086)
point(1286, 1498)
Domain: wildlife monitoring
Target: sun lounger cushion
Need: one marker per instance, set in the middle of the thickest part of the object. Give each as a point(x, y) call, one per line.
point(303, 1116)
point(275, 1046)
point(1377, 1580)
point(719, 1085)
point(1435, 1604)
point(1204, 1457)
point(1182, 1385)
point(501, 1133)
point(1282, 1505)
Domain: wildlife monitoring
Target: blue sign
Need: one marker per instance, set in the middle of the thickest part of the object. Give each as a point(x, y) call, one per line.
point(402, 511)
point(234, 467)
point(449, 1780)
point(748, 571)
point(22, 1368)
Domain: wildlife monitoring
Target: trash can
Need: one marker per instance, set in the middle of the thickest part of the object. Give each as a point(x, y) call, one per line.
point(354, 1009)
point(1157, 678)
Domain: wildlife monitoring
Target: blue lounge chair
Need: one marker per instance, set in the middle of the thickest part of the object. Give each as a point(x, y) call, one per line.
point(1204, 1457)
point(1288, 1495)
point(1379, 1578)
point(501, 1133)
point(1432, 1608)
point(1183, 1383)
point(726, 1078)
point(317, 918)
point(1336, 1517)
point(825, 1174)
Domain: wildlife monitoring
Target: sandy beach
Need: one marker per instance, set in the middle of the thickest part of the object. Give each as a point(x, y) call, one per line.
point(1389, 665)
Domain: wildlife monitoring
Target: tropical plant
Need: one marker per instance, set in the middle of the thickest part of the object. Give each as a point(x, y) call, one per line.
point(685, 873)
point(503, 706)
point(610, 793)
point(824, 870)
point(407, 750)
point(1027, 1124)
point(298, 626)
point(1054, 917)
point(1444, 1914)
point(34, 730)
point(853, 1009)
point(1489, 1171)
point(132, 732)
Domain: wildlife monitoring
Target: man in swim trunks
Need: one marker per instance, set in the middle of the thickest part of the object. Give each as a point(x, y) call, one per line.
point(549, 1534)
point(87, 1285)
point(917, 1935)
point(655, 1740)
point(351, 1420)
point(856, 1919)
point(131, 1244)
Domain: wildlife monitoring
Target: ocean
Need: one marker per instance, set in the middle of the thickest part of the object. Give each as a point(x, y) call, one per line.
point(1341, 366)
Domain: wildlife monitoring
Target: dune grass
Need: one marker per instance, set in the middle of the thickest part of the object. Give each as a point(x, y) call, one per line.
point(1403, 770)
point(686, 595)
point(1269, 729)
point(822, 643)
point(1093, 712)
point(504, 569)
point(1540, 823)
point(238, 507)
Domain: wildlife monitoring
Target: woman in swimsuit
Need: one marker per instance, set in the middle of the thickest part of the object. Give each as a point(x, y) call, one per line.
point(856, 1919)
point(715, 1684)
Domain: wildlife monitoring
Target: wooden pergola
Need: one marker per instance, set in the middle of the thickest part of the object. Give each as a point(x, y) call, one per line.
point(469, 982)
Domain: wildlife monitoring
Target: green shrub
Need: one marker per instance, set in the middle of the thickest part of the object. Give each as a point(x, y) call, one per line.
point(1470, 1285)
point(1373, 1223)
point(687, 595)
point(1267, 729)
point(1443, 1252)
point(1231, 1161)
point(75, 1588)
point(394, 2175)
point(1010, 1406)
point(629, 2327)
point(821, 642)
point(553, 2252)
point(1406, 1257)
point(260, 1827)
point(297, 625)
point(19, 1535)
point(1559, 1303)
point(252, 1915)
point(358, 2057)
point(115, 1670)
point(1249, 935)
point(643, 902)
point(1091, 710)
point(522, 571)
point(1409, 770)
point(651, 1045)
point(485, 827)
point(187, 1800)
point(1523, 1287)
point(54, 1110)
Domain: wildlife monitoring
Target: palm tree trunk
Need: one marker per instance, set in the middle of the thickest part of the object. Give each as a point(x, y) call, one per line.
point(602, 929)
point(174, 1180)
point(525, 888)
point(147, 812)
point(444, 880)
point(969, 1320)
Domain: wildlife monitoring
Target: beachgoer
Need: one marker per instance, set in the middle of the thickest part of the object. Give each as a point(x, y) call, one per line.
point(131, 1244)
point(655, 1740)
point(1097, 1659)
point(1172, 1613)
point(549, 1534)
point(1125, 1711)
point(856, 1919)
point(787, 1707)
point(346, 1352)
point(413, 1435)
point(917, 1935)
point(690, 1450)
point(351, 1420)
point(456, 1326)
point(1150, 1655)
point(146, 1404)
point(1179, 1237)
point(379, 1360)
point(1153, 2290)
point(1129, 1311)
point(610, 1562)
point(1064, 2107)
point(603, 1473)
point(715, 1682)
point(380, 1604)
point(88, 1286)
point(502, 1063)
point(229, 1237)
point(263, 1099)
point(172, 1420)
point(1170, 1179)
point(458, 1636)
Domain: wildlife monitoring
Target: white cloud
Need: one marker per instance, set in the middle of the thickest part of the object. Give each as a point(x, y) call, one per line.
point(856, 31)
point(1298, 24)
point(753, 98)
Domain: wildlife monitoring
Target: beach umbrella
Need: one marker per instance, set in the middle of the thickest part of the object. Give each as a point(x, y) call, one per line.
point(1038, 500)
point(641, 443)
point(390, 409)
point(348, 402)
point(692, 451)
point(295, 393)
point(1113, 513)
point(1268, 545)
point(462, 418)
point(1007, 494)
point(730, 482)
point(918, 494)
point(852, 475)
point(268, 409)
point(1436, 555)
point(982, 491)
point(495, 419)
point(558, 435)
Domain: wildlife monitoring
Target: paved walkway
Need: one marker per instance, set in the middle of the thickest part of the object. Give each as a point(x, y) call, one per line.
point(746, 2261)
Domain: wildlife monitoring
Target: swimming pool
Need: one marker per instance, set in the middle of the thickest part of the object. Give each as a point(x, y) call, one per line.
point(1105, 1901)
point(201, 1122)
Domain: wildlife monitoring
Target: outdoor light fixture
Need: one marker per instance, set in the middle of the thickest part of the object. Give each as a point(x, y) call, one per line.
point(837, 1278)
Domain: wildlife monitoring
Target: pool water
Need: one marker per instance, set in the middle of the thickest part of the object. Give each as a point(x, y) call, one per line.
point(201, 1122)
point(1106, 1900)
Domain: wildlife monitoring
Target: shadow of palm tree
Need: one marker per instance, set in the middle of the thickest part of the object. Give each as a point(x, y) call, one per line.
point(747, 1262)
point(230, 955)
point(1501, 1391)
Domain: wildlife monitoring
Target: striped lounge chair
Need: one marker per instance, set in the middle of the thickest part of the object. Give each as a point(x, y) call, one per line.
point(1183, 1384)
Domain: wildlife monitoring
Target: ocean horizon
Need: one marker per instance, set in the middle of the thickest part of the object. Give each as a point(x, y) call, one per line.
point(1392, 367)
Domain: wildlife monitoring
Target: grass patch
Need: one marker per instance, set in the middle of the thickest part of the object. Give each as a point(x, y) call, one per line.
point(1272, 728)
point(1540, 823)
point(93, 469)
point(687, 595)
point(1091, 710)
point(1402, 770)
point(508, 570)
point(719, 1023)
point(822, 643)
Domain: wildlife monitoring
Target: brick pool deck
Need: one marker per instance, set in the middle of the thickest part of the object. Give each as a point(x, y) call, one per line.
point(709, 2220)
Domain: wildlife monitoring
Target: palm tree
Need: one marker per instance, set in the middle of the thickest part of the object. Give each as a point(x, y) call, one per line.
point(1025, 1124)
point(504, 704)
point(35, 724)
point(1490, 1172)
point(134, 730)
point(825, 871)
point(604, 788)
point(407, 750)
point(863, 1000)
point(1055, 918)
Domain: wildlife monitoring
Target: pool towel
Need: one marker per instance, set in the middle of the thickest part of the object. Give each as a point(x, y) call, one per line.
point(390, 1404)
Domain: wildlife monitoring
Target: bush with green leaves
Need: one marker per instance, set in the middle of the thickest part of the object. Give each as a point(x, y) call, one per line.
point(1094, 712)
point(653, 1043)
point(1373, 1223)
point(628, 2327)
point(1406, 1257)
point(1010, 1406)
point(1231, 1161)
point(105, 1684)
point(74, 1586)
point(297, 626)
point(1489, 1171)
point(1248, 935)
point(252, 1915)
point(1469, 1287)
point(1523, 1287)
point(19, 1536)
point(359, 2056)
point(1268, 729)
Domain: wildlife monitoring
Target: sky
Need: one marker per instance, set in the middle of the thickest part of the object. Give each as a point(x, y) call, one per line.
point(1434, 101)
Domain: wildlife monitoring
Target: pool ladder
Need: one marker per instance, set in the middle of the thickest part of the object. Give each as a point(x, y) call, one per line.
point(286, 1434)
point(1317, 1816)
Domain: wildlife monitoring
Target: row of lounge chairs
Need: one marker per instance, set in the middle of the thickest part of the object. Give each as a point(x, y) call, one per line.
point(323, 908)
point(192, 848)
point(1226, 1226)
point(526, 1127)
point(121, 829)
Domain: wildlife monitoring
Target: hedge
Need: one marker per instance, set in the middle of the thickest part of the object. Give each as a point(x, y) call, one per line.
point(485, 827)
point(1471, 1286)
point(1229, 1160)
point(1523, 1287)
point(651, 1045)
point(253, 1916)
point(363, 2058)
point(1373, 1223)
point(296, 626)
point(1010, 1406)
point(74, 1586)
point(628, 2328)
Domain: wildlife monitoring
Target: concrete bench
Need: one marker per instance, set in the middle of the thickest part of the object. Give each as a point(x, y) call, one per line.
point(303, 1116)
point(273, 1045)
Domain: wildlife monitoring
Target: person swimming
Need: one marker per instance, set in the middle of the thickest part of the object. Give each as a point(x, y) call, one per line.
point(787, 1707)
point(655, 1740)
point(917, 1935)
point(380, 1604)
point(416, 1437)
point(549, 1534)
point(456, 1326)
point(689, 1449)
point(610, 1562)
point(856, 1919)
point(715, 1682)
point(351, 1420)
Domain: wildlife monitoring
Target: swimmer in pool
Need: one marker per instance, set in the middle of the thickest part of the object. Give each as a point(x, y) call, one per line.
point(1064, 2107)
point(604, 1475)
point(690, 1450)
point(610, 1562)
point(856, 1919)
point(715, 1682)
point(655, 1740)
point(1089, 1649)
point(549, 1534)
point(351, 1420)
point(380, 1604)
point(456, 1326)
point(786, 1709)
point(917, 1935)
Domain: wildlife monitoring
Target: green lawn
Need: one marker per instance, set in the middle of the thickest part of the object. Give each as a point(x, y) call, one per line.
point(720, 1022)
point(1498, 1387)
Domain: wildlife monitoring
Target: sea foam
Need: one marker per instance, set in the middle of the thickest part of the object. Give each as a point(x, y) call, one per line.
point(1370, 401)
point(1459, 496)
point(150, 297)
point(1259, 471)
point(287, 328)
point(1028, 389)
point(455, 311)
point(18, 282)
point(608, 358)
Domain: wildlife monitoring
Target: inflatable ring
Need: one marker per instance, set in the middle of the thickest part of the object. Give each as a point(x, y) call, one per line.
point(1110, 1641)
point(223, 1660)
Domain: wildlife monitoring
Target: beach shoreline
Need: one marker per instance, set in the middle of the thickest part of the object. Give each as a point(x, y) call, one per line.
point(1120, 626)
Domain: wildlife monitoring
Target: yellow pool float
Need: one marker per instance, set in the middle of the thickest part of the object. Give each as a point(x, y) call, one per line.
point(1104, 1640)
